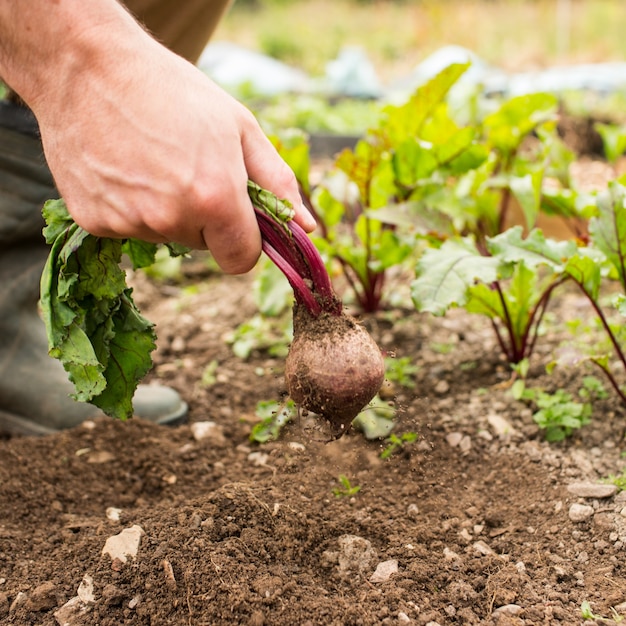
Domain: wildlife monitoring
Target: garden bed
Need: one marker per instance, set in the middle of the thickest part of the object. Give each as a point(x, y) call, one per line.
point(476, 522)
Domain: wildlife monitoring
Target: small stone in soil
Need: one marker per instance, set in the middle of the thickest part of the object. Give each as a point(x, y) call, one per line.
point(113, 513)
point(510, 610)
point(207, 430)
point(86, 590)
point(450, 555)
point(258, 459)
point(384, 571)
point(592, 490)
point(123, 545)
point(501, 427)
point(454, 439)
point(482, 548)
point(355, 554)
point(580, 512)
point(442, 388)
point(71, 613)
point(413, 511)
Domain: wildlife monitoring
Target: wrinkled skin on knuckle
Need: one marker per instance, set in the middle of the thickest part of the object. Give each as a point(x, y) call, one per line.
point(182, 217)
point(165, 223)
point(239, 263)
point(237, 250)
point(284, 178)
point(247, 121)
point(158, 225)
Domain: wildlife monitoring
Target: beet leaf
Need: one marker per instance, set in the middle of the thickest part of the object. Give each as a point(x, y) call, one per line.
point(93, 325)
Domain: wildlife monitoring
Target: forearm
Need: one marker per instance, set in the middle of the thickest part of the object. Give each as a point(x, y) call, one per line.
point(46, 45)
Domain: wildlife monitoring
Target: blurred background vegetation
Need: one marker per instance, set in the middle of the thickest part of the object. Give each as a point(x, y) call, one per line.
point(516, 35)
point(397, 35)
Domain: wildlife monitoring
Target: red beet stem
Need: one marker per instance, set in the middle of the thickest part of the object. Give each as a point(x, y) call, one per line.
point(319, 275)
point(302, 293)
point(291, 250)
point(282, 240)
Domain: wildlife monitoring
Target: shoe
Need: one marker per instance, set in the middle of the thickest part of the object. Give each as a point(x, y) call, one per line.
point(34, 387)
point(155, 403)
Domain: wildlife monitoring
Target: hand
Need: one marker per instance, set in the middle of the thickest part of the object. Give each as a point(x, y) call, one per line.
point(144, 145)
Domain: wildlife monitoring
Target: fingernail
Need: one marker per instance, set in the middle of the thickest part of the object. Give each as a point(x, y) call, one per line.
point(308, 221)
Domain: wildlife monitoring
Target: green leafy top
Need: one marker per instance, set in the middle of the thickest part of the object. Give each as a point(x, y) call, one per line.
point(93, 325)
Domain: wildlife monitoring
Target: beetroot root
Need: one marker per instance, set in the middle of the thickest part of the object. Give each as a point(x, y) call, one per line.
point(334, 367)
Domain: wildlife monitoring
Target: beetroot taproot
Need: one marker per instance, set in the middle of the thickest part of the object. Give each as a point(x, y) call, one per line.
point(334, 367)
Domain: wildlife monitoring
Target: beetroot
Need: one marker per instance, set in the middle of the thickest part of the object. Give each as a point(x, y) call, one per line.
point(334, 367)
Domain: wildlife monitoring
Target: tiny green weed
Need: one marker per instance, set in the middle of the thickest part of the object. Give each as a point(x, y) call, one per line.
point(593, 389)
point(401, 371)
point(586, 611)
point(346, 489)
point(261, 333)
point(209, 374)
point(618, 480)
point(396, 443)
point(274, 415)
point(588, 614)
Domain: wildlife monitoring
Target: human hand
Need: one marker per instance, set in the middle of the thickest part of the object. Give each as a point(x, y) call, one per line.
point(142, 144)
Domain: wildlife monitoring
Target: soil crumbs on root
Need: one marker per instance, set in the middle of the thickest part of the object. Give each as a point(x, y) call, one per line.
point(334, 367)
point(471, 524)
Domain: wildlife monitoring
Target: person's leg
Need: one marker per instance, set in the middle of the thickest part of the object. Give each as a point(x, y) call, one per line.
point(34, 388)
point(184, 27)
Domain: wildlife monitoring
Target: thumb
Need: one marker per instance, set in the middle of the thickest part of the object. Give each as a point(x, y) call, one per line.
point(268, 170)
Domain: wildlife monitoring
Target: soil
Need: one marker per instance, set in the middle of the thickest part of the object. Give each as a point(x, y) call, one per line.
point(478, 521)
